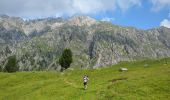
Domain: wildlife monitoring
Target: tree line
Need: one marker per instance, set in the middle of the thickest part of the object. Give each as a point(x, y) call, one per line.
point(65, 61)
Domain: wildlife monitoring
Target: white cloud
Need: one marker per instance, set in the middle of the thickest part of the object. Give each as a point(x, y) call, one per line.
point(126, 4)
point(165, 23)
point(160, 4)
point(88, 6)
point(46, 8)
point(107, 19)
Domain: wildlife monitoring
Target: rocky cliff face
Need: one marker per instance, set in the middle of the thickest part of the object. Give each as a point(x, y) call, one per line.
point(39, 43)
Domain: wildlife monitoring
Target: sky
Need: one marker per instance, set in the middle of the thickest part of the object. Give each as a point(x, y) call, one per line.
point(142, 14)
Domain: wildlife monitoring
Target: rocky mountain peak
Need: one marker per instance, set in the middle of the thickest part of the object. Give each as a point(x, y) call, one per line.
point(82, 20)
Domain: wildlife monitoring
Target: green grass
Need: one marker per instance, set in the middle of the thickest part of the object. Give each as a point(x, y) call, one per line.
point(146, 80)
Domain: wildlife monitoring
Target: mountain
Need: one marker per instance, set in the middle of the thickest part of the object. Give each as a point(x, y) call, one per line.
point(39, 43)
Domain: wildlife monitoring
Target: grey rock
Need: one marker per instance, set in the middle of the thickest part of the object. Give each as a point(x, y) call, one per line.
point(39, 43)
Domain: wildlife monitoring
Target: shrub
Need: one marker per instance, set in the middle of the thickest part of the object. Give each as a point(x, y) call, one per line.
point(0, 69)
point(11, 65)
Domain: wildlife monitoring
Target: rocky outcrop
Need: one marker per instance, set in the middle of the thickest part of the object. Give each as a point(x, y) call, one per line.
point(39, 43)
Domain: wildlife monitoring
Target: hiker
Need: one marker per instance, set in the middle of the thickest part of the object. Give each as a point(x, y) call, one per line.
point(85, 79)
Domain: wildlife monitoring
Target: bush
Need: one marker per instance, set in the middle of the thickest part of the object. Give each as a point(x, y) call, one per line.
point(0, 69)
point(11, 65)
point(65, 59)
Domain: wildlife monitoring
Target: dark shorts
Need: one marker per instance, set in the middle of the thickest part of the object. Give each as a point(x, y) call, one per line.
point(85, 83)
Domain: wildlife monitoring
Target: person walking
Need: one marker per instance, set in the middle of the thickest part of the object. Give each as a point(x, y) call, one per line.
point(85, 80)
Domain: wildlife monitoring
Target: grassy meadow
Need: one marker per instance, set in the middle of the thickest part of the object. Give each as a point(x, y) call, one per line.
point(144, 80)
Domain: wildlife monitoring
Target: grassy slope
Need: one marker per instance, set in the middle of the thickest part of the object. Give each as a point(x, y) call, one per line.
point(146, 80)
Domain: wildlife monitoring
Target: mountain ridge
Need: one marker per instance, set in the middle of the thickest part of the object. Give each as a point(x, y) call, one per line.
point(39, 43)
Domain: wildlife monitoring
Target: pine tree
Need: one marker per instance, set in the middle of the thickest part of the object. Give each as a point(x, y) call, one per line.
point(65, 59)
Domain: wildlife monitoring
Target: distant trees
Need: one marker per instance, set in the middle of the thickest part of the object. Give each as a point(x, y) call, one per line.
point(66, 59)
point(11, 65)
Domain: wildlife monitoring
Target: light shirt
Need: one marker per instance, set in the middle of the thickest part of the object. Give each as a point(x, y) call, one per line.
point(85, 78)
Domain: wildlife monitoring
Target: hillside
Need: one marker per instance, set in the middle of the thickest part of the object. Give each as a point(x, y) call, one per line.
point(145, 80)
point(39, 43)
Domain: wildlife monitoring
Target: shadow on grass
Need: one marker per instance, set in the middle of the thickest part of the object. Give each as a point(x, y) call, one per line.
point(118, 79)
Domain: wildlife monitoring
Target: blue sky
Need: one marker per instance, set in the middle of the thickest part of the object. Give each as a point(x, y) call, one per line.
point(142, 17)
point(142, 14)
